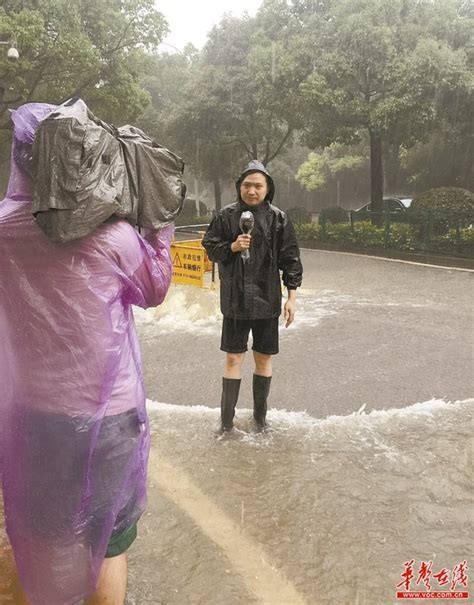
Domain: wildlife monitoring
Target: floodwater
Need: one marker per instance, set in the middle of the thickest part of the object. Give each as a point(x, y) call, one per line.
point(315, 511)
point(329, 504)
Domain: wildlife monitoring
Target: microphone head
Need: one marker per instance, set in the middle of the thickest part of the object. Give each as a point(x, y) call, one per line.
point(246, 221)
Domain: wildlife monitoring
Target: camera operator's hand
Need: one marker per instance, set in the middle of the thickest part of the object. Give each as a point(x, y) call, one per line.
point(241, 243)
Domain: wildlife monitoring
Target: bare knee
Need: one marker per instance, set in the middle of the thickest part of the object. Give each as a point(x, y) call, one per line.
point(233, 365)
point(263, 364)
point(235, 359)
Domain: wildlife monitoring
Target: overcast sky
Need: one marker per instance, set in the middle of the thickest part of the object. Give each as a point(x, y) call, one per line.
point(190, 20)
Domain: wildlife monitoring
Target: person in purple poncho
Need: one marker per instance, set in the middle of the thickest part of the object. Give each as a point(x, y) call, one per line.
point(74, 434)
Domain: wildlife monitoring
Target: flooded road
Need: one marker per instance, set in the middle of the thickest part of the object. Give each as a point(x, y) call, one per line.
point(368, 463)
point(367, 331)
point(316, 511)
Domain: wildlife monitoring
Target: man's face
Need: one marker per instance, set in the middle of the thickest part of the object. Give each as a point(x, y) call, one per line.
point(254, 188)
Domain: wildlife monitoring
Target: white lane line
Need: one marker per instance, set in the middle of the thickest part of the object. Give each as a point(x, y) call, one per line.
point(263, 580)
point(393, 260)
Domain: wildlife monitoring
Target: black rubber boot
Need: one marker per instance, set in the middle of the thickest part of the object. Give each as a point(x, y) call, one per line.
point(261, 388)
point(230, 394)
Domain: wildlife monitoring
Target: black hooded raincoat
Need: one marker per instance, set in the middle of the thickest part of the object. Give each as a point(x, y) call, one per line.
point(252, 290)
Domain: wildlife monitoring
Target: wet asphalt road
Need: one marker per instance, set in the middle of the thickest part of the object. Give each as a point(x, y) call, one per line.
point(367, 331)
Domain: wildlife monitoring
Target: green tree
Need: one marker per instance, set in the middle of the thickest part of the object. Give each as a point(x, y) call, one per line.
point(332, 164)
point(197, 126)
point(165, 80)
point(93, 48)
point(240, 101)
point(261, 73)
point(380, 69)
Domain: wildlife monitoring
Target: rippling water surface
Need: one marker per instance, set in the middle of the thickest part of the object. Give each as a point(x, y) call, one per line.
point(332, 508)
point(336, 505)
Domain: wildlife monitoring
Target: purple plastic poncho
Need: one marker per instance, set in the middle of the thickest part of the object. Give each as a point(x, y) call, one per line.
point(74, 432)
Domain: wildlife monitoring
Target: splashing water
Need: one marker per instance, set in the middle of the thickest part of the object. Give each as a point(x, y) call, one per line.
point(197, 311)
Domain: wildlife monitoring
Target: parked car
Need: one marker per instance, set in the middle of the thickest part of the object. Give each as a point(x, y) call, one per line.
point(392, 204)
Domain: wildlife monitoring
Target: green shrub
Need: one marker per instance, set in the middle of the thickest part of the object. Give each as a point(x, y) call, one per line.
point(368, 235)
point(466, 245)
point(402, 237)
point(340, 233)
point(299, 215)
point(334, 214)
point(467, 236)
point(447, 199)
point(461, 241)
point(308, 231)
point(438, 210)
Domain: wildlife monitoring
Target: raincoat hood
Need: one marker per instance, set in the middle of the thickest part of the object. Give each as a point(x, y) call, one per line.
point(26, 120)
point(256, 166)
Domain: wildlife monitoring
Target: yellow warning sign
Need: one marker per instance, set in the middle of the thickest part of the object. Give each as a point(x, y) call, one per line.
point(189, 262)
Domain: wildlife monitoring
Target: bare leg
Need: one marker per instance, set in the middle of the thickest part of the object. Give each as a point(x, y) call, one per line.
point(233, 365)
point(112, 585)
point(19, 596)
point(263, 364)
point(111, 588)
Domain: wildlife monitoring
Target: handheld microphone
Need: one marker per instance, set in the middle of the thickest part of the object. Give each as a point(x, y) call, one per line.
point(246, 224)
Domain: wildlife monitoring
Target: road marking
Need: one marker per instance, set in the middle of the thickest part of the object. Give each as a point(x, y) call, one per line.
point(263, 579)
point(393, 260)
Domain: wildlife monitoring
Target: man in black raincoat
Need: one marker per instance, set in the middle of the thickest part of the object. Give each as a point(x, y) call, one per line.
point(250, 288)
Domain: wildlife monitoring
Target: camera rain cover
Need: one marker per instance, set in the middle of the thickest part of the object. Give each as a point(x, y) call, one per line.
point(87, 171)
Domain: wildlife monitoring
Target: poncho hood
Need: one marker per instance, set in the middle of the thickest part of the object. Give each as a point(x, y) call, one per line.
point(26, 120)
point(256, 166)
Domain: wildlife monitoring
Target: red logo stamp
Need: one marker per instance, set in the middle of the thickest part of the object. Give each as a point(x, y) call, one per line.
point(450, 581)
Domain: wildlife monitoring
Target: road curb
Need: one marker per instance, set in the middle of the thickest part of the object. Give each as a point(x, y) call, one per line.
point(429, 260)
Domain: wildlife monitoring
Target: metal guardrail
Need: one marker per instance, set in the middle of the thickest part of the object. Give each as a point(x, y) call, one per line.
point(192, 228)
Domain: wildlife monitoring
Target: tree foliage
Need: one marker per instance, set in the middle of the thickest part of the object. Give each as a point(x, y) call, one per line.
point(334, 161)
point(94, 49)
point(354, 81)
point(382, 67)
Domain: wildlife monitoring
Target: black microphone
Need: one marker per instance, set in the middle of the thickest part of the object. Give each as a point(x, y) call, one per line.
point(246, 224)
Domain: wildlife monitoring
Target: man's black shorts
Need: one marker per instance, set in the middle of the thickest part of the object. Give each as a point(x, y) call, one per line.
point(235, 335)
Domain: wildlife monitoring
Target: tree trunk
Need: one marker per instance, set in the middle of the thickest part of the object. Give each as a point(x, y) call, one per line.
point(254, 150)
point(376, 177)
point(397, 186)
point(217, 192)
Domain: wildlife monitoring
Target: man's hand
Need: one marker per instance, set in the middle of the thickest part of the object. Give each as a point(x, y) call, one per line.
point(241, 243)
point(289, 308)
